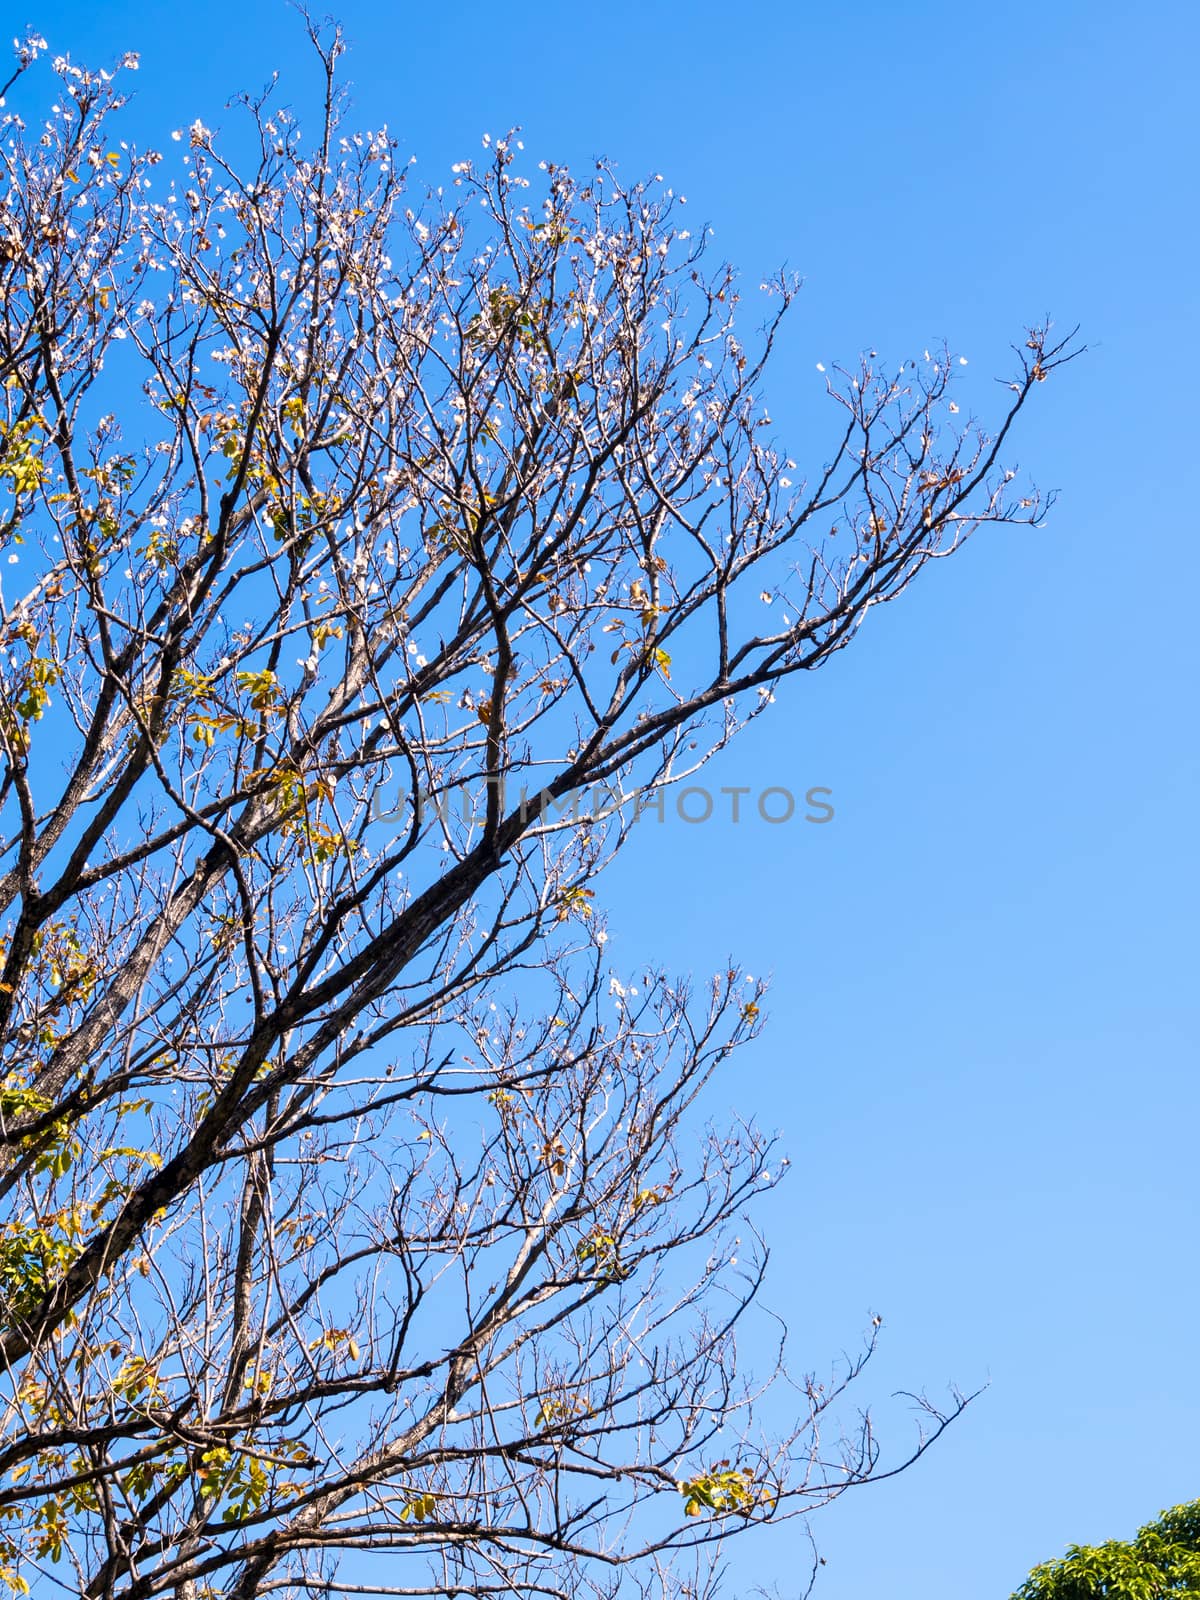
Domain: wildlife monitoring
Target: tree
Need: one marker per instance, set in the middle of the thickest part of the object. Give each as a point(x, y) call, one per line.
point(353, 1209)
point(1162, 1559)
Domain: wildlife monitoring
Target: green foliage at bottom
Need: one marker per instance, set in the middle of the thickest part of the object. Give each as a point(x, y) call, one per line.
point(1163, 1559)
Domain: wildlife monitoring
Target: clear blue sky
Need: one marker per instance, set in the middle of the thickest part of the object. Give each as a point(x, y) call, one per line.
point(983, 1033)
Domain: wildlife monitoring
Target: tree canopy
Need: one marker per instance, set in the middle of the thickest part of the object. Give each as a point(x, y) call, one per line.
point(1161, 1560)
point(361, 1227)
